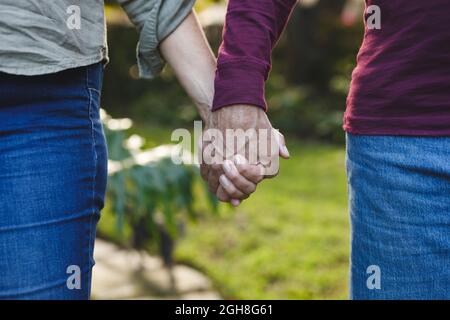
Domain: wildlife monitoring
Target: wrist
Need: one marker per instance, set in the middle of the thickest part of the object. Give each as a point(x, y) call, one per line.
point(240, 116)
point(204, 110)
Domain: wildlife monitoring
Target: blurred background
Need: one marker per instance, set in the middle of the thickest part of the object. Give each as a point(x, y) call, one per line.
point(290, 240)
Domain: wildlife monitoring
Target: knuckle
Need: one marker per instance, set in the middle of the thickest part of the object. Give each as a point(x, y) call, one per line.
point(222, 198)
point(251, 189)
point(245, 171)
point(256, 177)
point(259, 178)
point(237, 195)
point(232, 191)
point(233, 176)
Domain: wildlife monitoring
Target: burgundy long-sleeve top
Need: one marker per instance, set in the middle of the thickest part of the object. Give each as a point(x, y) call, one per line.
point(400, 86)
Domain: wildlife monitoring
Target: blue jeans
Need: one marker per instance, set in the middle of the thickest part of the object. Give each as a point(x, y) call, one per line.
point(53, 169)
point(399, 196)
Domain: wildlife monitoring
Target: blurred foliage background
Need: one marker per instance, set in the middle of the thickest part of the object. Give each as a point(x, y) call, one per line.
point(290, 240)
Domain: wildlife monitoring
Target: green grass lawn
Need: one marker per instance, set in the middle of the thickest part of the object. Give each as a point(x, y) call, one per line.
point(289, 241)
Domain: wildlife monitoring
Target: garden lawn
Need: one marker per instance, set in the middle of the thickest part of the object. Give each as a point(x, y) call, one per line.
point(288, 241)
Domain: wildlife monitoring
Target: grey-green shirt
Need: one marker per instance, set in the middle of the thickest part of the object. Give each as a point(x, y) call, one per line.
point(47, 36)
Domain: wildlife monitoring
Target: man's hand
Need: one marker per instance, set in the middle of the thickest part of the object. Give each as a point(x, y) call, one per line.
point(245, 150)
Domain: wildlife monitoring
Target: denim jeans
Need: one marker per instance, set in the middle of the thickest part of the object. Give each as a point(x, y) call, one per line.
point(399, 197)
point(53, 169)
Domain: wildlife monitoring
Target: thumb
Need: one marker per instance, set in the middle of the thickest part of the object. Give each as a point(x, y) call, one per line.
point(284, 152)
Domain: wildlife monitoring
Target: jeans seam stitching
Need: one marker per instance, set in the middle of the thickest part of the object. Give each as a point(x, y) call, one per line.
point(93, 89)
point(90, 250)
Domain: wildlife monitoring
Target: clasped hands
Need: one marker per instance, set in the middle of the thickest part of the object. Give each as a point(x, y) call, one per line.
point(239, 148)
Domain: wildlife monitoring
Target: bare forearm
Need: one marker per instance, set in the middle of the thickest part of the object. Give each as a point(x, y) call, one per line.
point(187, 51)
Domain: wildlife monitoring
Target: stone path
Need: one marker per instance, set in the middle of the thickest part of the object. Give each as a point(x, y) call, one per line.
point(128, 274)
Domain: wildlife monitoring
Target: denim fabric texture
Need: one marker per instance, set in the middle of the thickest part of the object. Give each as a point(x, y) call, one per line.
point(53, 171)
point(399, 197)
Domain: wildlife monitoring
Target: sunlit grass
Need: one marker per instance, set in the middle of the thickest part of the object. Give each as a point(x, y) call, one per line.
point(289, 241)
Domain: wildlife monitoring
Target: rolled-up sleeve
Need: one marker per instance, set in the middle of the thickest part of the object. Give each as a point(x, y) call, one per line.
point(155, 20)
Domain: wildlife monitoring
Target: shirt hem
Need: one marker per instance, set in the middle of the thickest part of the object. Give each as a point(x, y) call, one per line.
point(397, 132)
point(240, 102)
point(48, 69)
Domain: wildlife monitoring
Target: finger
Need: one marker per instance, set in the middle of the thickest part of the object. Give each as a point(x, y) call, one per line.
point(232, 191)
point(215, 171)
point(222, 195)
point(253, 173)
point(271, 162)
point(284, 152)
point(235, 202)
point(239, 181)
